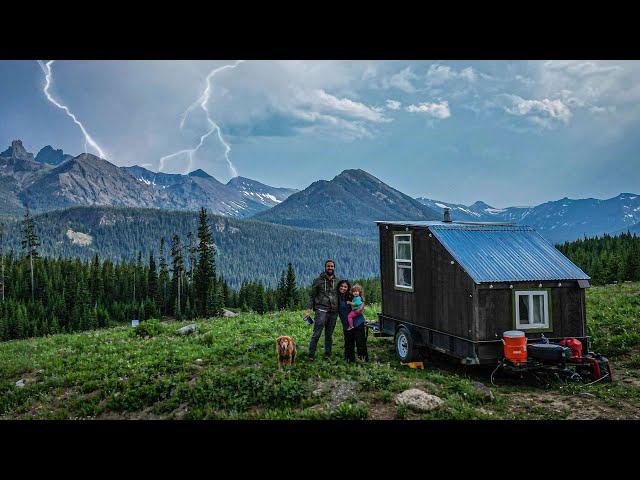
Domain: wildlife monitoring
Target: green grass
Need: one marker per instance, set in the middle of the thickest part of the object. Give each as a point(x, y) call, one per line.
point(613, 318)
point(228, 370)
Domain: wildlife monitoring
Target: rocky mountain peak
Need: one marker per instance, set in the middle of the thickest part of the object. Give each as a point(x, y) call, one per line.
point(52, 156)
point(17, 152)
point(199, 173)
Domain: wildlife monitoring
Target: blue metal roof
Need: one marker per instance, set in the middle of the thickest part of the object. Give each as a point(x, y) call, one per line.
point(503, 253)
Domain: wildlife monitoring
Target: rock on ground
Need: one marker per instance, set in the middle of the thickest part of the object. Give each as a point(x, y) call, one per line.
point(484, 391)
point(338, 391)
point(20, 383)
point(187, 329)
point(418, 400)
point(228, 313)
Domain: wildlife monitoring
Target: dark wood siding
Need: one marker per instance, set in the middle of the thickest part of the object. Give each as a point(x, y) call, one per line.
point(496, 315)
point(397, 303)
point(442, 292)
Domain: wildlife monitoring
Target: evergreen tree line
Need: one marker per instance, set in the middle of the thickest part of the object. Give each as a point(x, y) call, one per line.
point(606, 259)
point(43, 295)
point(40, 296)
point(247, 249)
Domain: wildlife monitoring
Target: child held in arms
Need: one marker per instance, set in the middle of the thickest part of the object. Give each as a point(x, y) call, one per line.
point(356, 304)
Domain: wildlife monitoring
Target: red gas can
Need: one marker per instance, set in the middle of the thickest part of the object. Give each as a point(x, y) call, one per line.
point(515, 346)
point(575, 345)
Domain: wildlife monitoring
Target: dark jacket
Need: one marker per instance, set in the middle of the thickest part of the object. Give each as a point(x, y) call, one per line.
point(324, 293)
point(343, 312)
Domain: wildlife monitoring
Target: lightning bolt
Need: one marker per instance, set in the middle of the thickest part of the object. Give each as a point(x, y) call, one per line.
point(202, 102)
point(88, 140)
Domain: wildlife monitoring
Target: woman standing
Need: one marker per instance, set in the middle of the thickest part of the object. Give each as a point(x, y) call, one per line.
point(356, 338)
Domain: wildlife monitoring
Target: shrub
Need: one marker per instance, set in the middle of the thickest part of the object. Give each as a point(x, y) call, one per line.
point(149, 328)
point(348, 411)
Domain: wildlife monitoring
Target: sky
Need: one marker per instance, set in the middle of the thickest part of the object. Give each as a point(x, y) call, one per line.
point(504, 132)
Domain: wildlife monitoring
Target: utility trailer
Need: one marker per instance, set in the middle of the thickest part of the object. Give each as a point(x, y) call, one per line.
point(456, 287)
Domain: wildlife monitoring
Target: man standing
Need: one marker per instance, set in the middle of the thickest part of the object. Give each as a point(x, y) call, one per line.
point(324, 301)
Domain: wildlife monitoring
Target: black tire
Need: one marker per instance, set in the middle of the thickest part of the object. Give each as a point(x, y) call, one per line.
point(404, 345)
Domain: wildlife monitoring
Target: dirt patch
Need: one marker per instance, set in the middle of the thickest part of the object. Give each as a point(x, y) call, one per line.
point(382, 411)
point(583, 406)
point(146, 414)
point(336, 391)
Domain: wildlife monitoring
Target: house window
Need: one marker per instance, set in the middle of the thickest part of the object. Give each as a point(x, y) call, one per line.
point(403, 260)
point(532, 309)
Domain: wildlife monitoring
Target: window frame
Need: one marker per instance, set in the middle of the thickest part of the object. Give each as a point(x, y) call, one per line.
point(547, 326)
point(396, 260)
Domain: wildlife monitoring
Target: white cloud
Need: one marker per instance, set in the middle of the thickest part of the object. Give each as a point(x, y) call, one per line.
point(550, 108)
point(393, 104)
point(435, 110)
point(588, 83)
point(439, 74)
point(284, 98)
point(322, 101)
point(403, 80)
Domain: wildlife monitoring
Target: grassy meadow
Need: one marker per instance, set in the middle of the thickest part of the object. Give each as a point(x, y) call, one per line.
point(228, 370)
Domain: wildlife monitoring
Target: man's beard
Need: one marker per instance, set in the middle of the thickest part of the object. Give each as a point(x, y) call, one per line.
point(329, 271)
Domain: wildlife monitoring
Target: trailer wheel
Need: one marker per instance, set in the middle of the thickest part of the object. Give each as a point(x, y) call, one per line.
point(405, 348)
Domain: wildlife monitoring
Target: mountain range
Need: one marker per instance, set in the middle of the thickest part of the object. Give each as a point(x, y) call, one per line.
point(559, 220)
point(347, 205)
point(53, 180)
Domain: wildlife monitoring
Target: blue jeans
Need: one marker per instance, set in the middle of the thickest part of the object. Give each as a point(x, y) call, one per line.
point(326, 321)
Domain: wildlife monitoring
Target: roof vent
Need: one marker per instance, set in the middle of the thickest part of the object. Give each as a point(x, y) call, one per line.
point(446, 217)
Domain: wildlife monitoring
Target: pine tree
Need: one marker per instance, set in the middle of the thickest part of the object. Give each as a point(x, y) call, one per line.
point(163, 279)
point(225, 292)
point(95, 281)
point(152, 280)
point(290, 287)
point(1, 264)
point(191, 249)
point(259, 304)
point(178, 271)
point(30, 242)
point(205, 274)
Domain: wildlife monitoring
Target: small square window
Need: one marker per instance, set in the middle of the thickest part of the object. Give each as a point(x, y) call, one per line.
point(532, 309)
point(403, 259)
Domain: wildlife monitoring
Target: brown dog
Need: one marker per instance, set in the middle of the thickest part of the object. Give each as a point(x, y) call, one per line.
point(286, 350)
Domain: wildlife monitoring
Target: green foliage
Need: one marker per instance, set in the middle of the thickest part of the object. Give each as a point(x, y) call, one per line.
point(606, 259)
point(227, 369)
point(246, 249)
point(348, 411)
point(613, 318)
point(149, 328)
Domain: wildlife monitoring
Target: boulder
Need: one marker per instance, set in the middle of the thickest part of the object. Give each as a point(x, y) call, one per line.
point(186, 330)
point(228, 313)
point(484, 391)
point(20, 383)
point(418, 400)
point(337, 391)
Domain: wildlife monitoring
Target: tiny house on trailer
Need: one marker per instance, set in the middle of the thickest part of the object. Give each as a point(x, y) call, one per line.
point(456, 287)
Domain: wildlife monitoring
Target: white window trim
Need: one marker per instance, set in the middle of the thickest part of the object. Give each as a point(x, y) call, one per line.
point(396, 260)
point(545, 309)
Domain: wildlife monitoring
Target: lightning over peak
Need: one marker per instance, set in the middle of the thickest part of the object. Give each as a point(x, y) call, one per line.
point(88, 140)
point(202, 102)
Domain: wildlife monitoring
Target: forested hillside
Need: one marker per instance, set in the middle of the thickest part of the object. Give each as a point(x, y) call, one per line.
point(40, 296)
point(606, 259)
point(248, 250)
